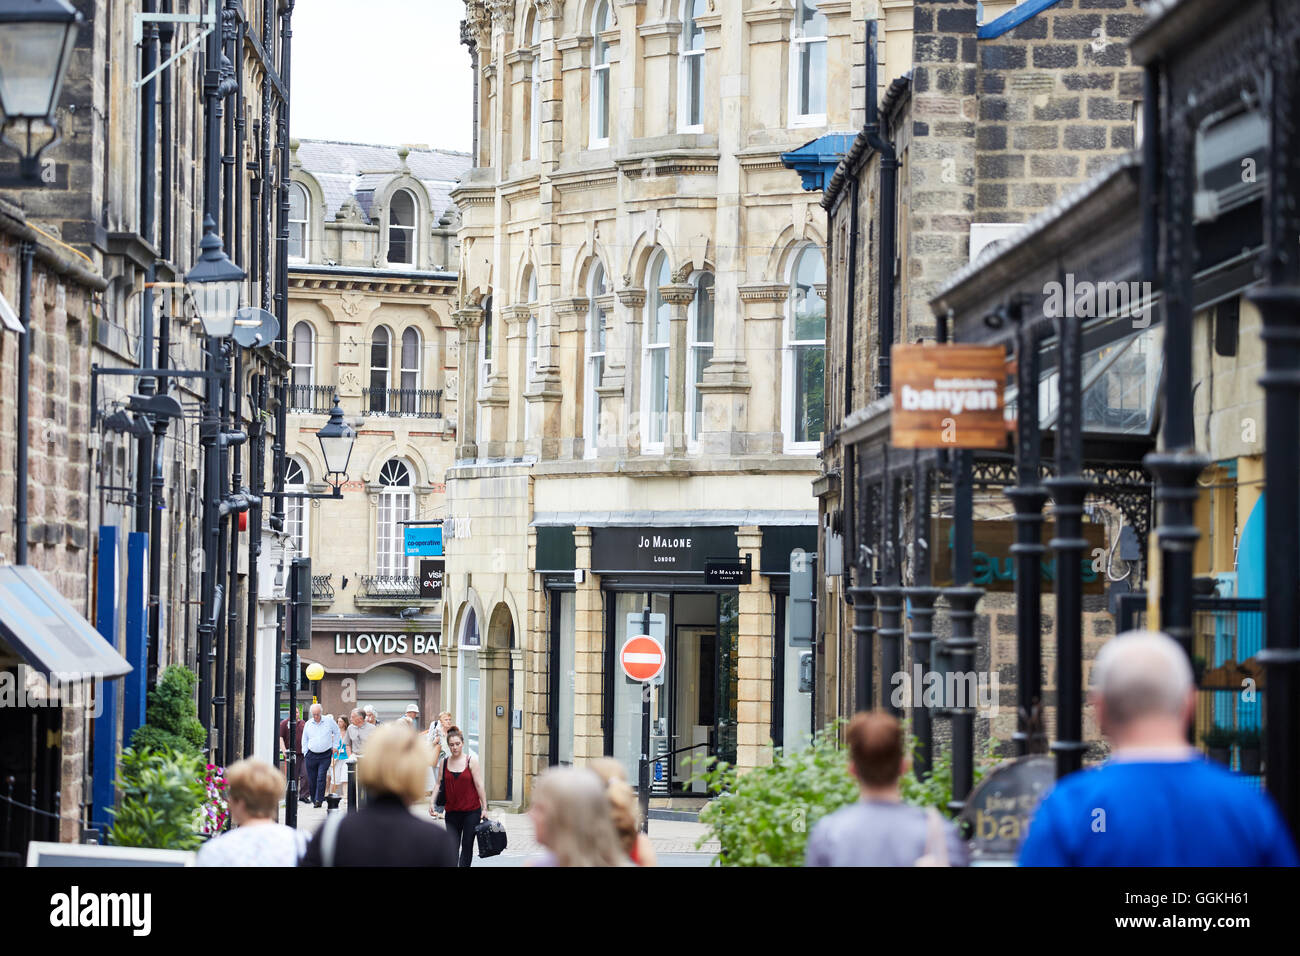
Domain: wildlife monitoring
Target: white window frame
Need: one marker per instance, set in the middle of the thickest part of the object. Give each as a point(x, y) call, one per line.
point(411, 401)
point(310, 363)
point(789, 344)
point(535, 93)
point(485, 361)
point(601, 80)
point(658, 268)
point(797, 42)
point(694, 345)
point(684, 56)
point(413, 229)
point(304, 223)
point(394, 506)
point(297, 515)
point(595, 348)
point(387, 368)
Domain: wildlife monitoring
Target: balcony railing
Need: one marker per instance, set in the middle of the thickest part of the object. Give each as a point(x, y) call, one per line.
point(311, 399)
point(402, 402)
point(385, 586)
point(322, 591)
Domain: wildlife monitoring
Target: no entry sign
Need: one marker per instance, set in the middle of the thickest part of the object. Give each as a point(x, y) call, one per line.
point(642, 658)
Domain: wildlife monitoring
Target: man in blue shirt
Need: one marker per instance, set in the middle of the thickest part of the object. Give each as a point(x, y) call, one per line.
point(1156, 801)
point(320, 738)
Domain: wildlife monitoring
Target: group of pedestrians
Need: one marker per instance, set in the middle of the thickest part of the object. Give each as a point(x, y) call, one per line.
point(1155, 802)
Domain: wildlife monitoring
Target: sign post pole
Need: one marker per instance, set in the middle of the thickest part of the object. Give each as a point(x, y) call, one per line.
point(643, 777)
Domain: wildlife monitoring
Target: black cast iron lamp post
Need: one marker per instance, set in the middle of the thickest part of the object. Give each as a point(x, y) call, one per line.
point(36, 42)
point(215, 284)
point(336, 440)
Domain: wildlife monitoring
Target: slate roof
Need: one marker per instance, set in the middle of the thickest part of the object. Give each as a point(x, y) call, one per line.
point(357, 171)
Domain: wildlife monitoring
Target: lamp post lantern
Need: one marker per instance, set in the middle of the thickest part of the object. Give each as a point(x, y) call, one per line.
point(215, 284)
point(36, 42)
point(336, 439)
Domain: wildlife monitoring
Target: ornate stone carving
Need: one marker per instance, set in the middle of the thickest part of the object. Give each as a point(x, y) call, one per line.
point(503, 12)
point(352, 302)
point(550, 9)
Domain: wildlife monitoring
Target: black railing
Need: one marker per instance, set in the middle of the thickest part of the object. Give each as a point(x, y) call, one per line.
point(311, 399)
point(389, 586)
point(321, 588)
point(402, 402)
point(1227, 636)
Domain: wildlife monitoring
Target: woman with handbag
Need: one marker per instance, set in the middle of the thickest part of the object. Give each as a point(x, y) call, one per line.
point(459, 784)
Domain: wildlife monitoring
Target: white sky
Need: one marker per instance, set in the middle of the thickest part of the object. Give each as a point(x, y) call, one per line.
point(381, 71)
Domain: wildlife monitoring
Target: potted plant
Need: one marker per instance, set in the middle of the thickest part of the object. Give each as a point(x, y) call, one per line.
point(1248, 740)
point(1218, 743)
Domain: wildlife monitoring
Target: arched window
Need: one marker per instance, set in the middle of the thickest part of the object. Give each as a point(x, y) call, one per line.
point(804, 378)
point(401, 229)
point(600, 90)
point(654, 374)
point(381, 341)
point(296, 477)
point(299, 205)
point(691, 61)
point(699, 351)
point(485, 345)
point(410, 371)
point(535, 94)
point(531, 297)
point(394, 509)
point(808, 65)
point(596, 289)
point(303, 359)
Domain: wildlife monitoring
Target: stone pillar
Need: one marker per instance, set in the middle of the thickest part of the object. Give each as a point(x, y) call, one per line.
point(679, 299)
point(570, 365)
point(754, 697)
point(468, 321)
point(516, 360)
point(588, 657)
point(765, 307)
point(659, 42)
point(628, 374)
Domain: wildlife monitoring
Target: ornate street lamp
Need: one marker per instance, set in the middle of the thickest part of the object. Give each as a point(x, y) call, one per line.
point(336, 440)
point(214, 284)
point(36, 42)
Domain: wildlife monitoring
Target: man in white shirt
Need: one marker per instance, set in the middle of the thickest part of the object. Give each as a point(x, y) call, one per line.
point(320, 738)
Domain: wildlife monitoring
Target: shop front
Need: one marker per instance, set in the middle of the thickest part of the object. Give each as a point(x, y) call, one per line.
point(716, 597)
point(388, 664)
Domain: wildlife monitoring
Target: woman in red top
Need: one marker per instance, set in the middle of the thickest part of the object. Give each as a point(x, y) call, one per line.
point(466, 798)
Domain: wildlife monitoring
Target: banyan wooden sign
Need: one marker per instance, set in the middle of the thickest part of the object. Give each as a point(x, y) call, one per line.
point(948, 396)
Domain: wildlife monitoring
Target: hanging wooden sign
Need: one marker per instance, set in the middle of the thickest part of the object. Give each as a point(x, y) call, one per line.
point(948, 396)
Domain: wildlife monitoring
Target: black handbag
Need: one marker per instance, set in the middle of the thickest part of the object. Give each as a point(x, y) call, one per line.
point(441, 802)
point(491, 836)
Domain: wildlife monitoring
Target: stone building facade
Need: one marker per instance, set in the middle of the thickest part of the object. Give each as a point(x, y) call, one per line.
point(372, 238)
point(640, 374)
point(991, 122)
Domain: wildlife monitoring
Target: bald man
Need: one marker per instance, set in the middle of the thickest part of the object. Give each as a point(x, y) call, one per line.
point(320, 738)
point(1156, 801)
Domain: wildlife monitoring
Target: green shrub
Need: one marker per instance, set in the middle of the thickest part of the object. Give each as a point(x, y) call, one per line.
point(1219, 737)
point(159, 797)
point(171, 716)
point(762, 817)
point(935, 788)
point(1248, 738)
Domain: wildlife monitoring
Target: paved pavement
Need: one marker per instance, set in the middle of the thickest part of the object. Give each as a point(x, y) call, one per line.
point(673, 840)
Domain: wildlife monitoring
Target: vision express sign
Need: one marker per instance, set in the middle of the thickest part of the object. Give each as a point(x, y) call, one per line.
point(948, 396)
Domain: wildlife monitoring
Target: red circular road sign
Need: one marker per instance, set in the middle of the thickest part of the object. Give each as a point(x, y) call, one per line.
point(642, 658)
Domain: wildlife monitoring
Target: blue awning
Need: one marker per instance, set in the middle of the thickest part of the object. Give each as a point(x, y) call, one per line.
point(815, 162)
point(45, 630)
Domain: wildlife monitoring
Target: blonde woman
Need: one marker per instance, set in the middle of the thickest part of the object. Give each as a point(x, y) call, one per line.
point(384, 832)
point(623, 811)
point(571, 816)
point(254, 790)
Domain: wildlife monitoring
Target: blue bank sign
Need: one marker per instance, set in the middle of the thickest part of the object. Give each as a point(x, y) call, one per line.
point(424, 541)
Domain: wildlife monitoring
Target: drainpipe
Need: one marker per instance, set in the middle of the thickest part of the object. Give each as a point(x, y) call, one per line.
point(888, 214)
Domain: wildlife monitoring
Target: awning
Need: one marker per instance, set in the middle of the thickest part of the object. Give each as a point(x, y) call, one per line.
point(38, 622)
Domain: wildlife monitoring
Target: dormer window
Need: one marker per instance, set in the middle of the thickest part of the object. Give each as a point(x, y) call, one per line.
point(401, 229)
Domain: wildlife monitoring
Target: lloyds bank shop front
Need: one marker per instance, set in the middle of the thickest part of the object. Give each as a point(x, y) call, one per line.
point(717, 596)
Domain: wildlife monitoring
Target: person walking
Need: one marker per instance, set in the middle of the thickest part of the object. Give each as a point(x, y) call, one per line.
point(254, 791)
point(879, 829)
point(320, 737)
point(359, 732)
point(384, 832)
point(624, 812)
point(1156, 801)
point(437, 738)
point(372, 716)
point(466, 798)
point(571, 818)
point(304, 784)
point(339, 771)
